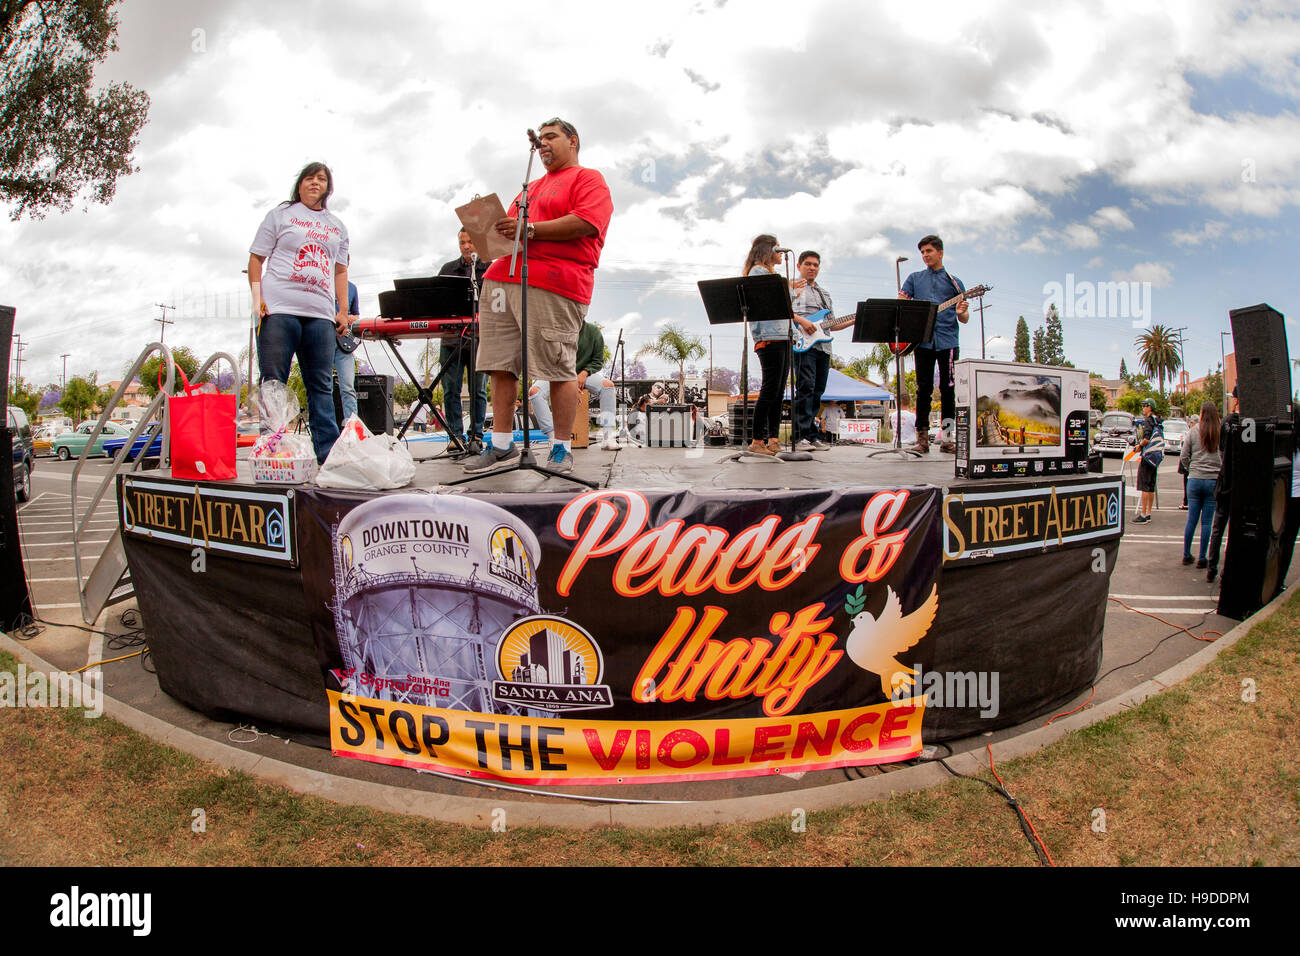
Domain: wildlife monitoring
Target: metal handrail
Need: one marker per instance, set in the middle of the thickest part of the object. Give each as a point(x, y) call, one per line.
point(158, 408)
point(160, 400)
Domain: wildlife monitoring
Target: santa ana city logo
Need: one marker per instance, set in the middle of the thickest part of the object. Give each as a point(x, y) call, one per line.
point(510, 558)
point(548, 663)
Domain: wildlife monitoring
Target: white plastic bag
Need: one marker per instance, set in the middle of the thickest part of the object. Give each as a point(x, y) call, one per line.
point(360, 460)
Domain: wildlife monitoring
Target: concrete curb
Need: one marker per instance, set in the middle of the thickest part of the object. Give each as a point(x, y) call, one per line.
point(476, 812)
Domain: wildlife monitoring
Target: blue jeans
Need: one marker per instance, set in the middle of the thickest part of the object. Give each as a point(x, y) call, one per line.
point(279, 339)
point(811, 373)
point(1200, 508)
point(541, 404)
point(345, 366)
point(455, 364)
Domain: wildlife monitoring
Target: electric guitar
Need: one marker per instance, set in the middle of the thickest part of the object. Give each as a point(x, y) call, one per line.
point(347, 342)
point(803, 341)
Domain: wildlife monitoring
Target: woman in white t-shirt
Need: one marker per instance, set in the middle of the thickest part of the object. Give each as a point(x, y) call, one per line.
point(301, 296)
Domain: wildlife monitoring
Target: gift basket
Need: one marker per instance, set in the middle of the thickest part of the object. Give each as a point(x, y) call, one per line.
point(280, 455)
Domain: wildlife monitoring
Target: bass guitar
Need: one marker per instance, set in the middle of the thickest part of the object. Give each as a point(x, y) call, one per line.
point(803, 341)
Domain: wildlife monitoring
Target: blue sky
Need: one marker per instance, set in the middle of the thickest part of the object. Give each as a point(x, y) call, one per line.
point(1105, 141)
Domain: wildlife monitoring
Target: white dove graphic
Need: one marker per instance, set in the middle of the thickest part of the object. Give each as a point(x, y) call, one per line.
point(874, 641)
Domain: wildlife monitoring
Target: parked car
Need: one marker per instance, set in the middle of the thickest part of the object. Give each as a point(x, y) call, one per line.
point(43, 437)
point(20, 431)
point(1117, 432)
point(113, 445)
point(1175, 430)
point(71, 445)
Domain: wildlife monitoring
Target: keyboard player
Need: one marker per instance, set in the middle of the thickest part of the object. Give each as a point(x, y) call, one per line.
point(456, 357)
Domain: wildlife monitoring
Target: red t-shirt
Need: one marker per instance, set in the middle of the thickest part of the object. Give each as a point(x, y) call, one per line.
point(566, 268)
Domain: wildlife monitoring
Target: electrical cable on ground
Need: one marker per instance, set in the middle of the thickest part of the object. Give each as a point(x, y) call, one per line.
point(1026, 827)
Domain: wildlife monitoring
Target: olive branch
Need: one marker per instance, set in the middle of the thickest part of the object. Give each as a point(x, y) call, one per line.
point(854, 603)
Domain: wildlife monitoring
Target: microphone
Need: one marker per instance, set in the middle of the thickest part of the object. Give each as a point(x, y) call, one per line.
point(532, 138)
point(782, 249)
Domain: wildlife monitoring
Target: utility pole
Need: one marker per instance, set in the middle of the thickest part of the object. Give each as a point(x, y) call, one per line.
point(64, 381)
point(164, 321)
point(18, 360)
point(982, 341)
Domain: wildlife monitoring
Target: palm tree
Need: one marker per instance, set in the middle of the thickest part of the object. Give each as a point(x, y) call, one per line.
point(1158, 351)
point(678, 348)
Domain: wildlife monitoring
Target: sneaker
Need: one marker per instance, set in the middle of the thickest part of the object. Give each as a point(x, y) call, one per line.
point(805, 444)
point(818, 444)
point(610, 443)
point(559, 459)
point(474, 446)
point(490, 458)
point(759, 447)
point(1187, 559)
point(774, 445)
point(1202, 564)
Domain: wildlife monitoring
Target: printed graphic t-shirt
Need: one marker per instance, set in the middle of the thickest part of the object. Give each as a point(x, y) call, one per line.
point(568, 267)
point(301, 247)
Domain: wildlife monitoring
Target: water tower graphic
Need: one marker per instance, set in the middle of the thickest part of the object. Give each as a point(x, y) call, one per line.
point(424, 586)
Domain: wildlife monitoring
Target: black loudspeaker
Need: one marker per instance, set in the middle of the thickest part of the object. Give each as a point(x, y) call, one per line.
point(1260, 470)
point(1263, 365)
point(338, 402)
point(741, 425)
point(15, 599)
point(375, 402)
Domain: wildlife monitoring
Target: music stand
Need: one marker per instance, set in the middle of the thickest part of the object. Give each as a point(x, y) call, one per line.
point(745, 299)
point(432, 298)
point(895, 322)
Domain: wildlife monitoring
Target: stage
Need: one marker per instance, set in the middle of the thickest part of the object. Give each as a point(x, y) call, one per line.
point(697, 618)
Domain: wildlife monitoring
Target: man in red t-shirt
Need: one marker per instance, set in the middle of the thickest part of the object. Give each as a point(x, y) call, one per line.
point(569, 212)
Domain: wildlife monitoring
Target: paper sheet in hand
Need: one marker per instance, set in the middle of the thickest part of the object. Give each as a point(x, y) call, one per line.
point(479, 216)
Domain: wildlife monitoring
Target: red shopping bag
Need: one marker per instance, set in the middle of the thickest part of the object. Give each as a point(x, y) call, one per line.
point(202, 432)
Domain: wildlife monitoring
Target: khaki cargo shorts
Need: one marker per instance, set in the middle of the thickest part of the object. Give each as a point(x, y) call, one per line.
point(553, 326)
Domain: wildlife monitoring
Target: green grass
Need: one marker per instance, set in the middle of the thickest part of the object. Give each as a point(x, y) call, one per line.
point(1192, 776)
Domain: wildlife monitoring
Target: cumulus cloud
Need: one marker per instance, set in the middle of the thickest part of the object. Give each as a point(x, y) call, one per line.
point(712, 123)
point(1157, 273)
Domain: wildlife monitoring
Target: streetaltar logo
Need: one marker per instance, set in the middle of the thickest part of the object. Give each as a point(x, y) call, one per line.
point(510, 558)
point(549, 663)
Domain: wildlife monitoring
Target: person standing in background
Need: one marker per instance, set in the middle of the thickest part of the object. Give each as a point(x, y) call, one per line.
point(345, 361)
point(1201, 461)
point(454, 357)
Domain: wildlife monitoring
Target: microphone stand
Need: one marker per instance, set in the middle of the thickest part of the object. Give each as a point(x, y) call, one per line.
point(526, 460)
point(620, 354)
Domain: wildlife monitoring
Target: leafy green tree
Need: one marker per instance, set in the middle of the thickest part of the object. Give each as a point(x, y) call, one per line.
point(1097, 398)
point(1132, 402)
point(58, 139)
point(26, 398)
point(677, 348)
point(103, 396)
point(149, 370)
point(1022, 341)
point(1158, 353)
point(404, 393)
point(79, 396)
point(1213, 388)
point(1054, 338)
